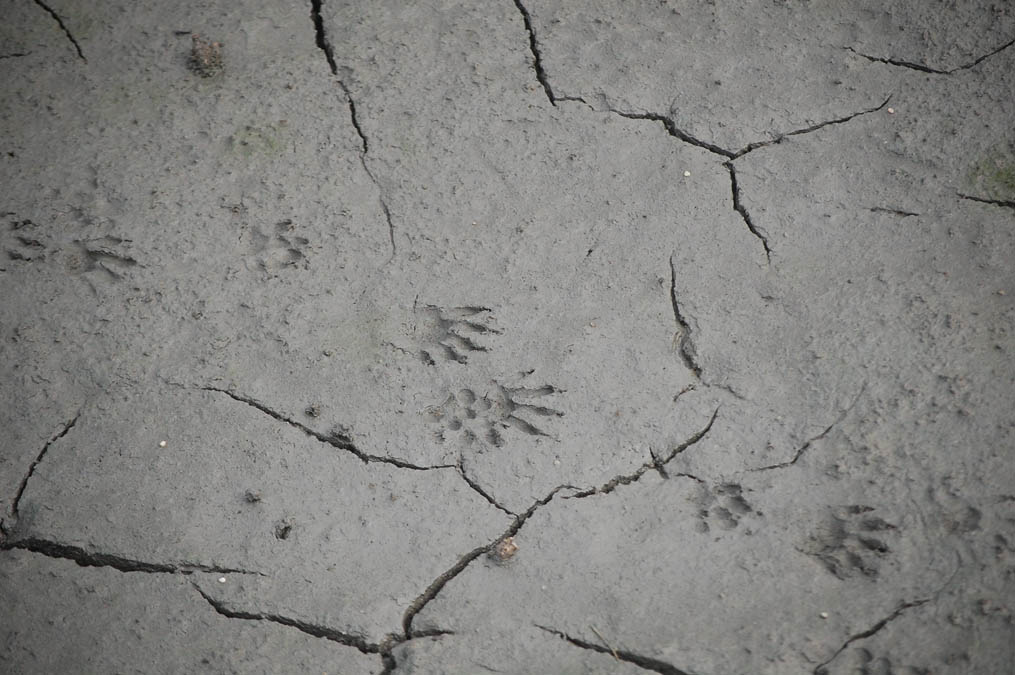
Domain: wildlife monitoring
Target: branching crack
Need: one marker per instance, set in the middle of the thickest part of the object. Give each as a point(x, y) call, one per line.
point(821, 670)
point(42, 453)
point(537, 57)
point(672, 130)
point(336, 438)
point(983, 200)
point(325, 46)
point(739, 207)
point(687, 351)
point(318, 631)
point(657, 463)
point(441, 581)
point(645, 662)
point(85, 558)
point(927, 69)
point(806, 446)
point(63, 27)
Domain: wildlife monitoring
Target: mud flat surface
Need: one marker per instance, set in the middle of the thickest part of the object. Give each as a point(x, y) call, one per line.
point(515, 337)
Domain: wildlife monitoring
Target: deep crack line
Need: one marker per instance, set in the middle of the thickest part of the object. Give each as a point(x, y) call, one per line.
point(537, 57)
point(687, 351)
point(52, 549)
point(927, 69)
point(739, 207)
point(820, 668)
point(321, 39)
point(63, 27)
point(315, 630)
point(983, 200)
point(657, 463)
point(441, 581)
point(672, 130)
point(42, 453)
point(336, 439)
point(645, 662)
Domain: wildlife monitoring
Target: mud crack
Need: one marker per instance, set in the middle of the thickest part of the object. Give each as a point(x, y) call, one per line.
point(657, 462)
point(56, 17)
point(739, 207)
point(42, 453)
point(984, 200)
point(316, 630)
point(687, 352)
point(537, 57)
point(336, 438)
point(52, 549)
point(927, 69)
point(822, 670)
point(645, 662)
point(441, 581)
point(806, 446)
point(321, 39)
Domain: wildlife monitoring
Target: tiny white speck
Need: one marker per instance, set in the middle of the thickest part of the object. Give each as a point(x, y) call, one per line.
point(687, 174)
point(891, 111)
point(222, 580)
point(824, 615)
point(162, 444)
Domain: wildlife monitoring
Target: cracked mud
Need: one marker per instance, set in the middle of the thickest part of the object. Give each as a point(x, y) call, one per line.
point(530, 337)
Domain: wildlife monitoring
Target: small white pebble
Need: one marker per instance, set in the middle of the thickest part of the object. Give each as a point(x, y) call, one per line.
point(687, 174)
point(891, 111)
point(824, 615)
point(162, 444)
point(222, 580)
point(556, 462)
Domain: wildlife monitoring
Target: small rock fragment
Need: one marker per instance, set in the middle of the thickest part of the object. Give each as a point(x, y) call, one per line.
point(222, 580)
point(205, 57)
point(252, 496)
point(162, 444)
point(687, 174)
point(504, 550)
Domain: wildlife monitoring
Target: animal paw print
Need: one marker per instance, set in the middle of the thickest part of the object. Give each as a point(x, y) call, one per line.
point(722, 507)
point(280, 249)
point(98, 254)
point(487, 417)
point(449, 333)
point(22, 245)
point(852, 542)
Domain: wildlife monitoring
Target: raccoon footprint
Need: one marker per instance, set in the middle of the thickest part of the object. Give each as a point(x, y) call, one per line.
point(22, 245)
point(280, 249)
point(485, 418)
point(450, 333)
point(722, 507)
point(98, 255)
point(852, 541)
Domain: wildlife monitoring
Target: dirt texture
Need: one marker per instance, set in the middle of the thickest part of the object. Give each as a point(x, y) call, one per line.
point(515, 337)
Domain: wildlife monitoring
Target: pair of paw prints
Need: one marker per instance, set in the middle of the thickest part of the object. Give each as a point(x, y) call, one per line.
point(279, 249)
point(487, 417)
point(450, 334)
point(852, 541)
point(722, 507)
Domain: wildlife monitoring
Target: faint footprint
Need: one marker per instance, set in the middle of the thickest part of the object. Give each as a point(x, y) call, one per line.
point(98, 254)
point(279, 249)
point(852, 541)
point(22, 245)
point(485, 418)
point(722, 507)
point(448, 333)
